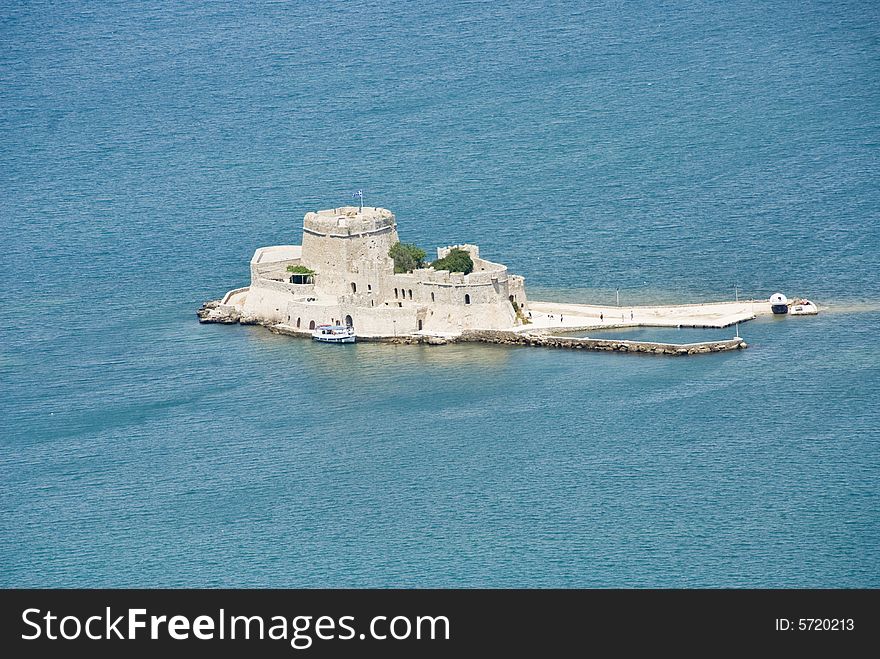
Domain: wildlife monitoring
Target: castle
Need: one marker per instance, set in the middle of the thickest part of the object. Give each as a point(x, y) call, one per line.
point(347, 277)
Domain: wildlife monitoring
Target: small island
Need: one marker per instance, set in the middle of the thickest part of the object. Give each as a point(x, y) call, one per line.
point(352, 271)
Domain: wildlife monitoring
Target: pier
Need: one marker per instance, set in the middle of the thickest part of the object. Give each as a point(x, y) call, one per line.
point(567, 317)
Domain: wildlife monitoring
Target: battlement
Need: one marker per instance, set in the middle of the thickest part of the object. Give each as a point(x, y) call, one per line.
point(348, 221)
point(473, 250)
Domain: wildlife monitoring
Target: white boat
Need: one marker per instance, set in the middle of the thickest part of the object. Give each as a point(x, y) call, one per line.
point(803, 307)
point(334, 334)
point(778, 303)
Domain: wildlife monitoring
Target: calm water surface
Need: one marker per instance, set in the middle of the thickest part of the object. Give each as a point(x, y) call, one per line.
point(671, 152)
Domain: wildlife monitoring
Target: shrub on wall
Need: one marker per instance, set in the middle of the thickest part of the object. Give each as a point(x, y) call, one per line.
point(457, 260)
point(300, 274)
point(407, 257)
point(300, 270)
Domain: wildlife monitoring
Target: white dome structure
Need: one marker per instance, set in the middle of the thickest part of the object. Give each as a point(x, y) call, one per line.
point(778, 303)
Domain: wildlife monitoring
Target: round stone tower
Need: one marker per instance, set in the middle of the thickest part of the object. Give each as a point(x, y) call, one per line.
point(348, 248)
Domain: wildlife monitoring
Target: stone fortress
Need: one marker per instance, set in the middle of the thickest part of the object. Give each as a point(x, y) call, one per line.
point(354, 283)
point(346, 276)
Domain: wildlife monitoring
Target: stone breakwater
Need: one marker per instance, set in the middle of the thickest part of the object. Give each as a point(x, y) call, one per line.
point(612, 345)
point(215, 312)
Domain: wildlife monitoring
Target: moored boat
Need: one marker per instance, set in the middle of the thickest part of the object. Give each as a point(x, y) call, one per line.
point(334, 334)
point(803, 307)
point(778, 303)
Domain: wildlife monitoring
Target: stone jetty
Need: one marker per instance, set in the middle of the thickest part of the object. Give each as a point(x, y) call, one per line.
point(611, 345)
point(215, 312)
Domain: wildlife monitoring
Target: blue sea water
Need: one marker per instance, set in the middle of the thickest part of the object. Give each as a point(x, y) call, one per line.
point(671, 151)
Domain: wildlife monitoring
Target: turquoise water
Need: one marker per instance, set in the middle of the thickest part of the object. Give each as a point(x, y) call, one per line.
point(662, 334)
point(671, 152)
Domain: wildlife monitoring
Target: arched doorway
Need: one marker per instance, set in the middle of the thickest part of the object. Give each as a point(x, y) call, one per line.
point(420, 325)
point(297, 322)
point(467, 299)
point(349, 322)
point(311, 324)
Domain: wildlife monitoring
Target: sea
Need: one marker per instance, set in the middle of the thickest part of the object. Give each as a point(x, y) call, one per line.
point(659, 151)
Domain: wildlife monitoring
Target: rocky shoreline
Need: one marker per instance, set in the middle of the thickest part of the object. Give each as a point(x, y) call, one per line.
point(214, 311)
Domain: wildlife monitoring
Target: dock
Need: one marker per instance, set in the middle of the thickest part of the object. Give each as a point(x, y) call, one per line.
point(567, 317)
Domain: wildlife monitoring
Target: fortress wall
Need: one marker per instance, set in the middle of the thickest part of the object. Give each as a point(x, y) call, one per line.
point(450, 286)
point(295, 290)
point(473, 250)
point(372, 251)
point(516, 286)
point(481, 265)
point(327, 258)
point(483, 272)
point(383, 321)
point(226, 299)
point(403, 283)
point(479, 292)
point(363, 300)
point(439, 276)
point(272, 302)
point(486, 277)
point(266, 303)
point(272, 262)
point(276, 253)
point(274, 270)
point(306, 313)
point(455, 318)
point(445, 293)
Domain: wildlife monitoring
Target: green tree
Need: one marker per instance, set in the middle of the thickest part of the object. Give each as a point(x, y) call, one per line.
point(301, 274)
point(407, 257)
point(457, 260)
